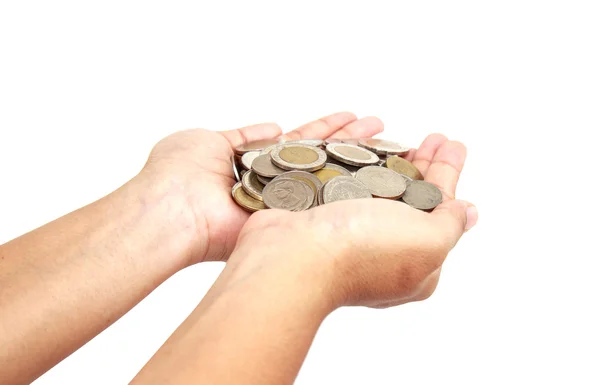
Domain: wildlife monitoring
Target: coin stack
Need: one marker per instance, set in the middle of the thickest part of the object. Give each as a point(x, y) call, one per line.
point(300, 174)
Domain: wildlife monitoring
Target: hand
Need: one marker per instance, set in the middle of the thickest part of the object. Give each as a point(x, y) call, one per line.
point(197, 163)
point(370, 252)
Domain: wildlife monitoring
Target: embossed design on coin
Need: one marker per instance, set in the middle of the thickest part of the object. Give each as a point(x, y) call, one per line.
point(257, 145)
point(263, 180)
point(382, 182)
point(248, 158)
point(288, 194)
point(263, 166)
point(330, 171)
point(422, 195)
point(236, 174)
point(351, 154)
point(383, 147)
point(343, 188)
point(308, 142)
point(298, 157)
point(244, 200)
point(306, 177)
point(403, 166)
point(252, 186)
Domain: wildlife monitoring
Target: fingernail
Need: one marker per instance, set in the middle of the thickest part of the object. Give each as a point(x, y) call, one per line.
point(472, 216)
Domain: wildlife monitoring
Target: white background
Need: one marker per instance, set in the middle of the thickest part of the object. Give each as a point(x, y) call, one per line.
point(86, 89)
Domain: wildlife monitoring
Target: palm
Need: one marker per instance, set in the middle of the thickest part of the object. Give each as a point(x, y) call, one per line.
point(201, 159)
point(343, 224)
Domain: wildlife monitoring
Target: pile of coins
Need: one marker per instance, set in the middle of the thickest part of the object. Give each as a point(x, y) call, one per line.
point(300, 174)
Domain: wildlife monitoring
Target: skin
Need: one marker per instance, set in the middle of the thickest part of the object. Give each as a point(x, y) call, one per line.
point(65, 282)
point(257, 322)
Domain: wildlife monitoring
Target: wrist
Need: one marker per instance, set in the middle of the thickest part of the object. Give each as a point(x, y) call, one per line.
point(290, 265)
point(162, 202)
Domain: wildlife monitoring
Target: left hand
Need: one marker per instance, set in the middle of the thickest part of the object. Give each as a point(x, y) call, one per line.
point(197, 163)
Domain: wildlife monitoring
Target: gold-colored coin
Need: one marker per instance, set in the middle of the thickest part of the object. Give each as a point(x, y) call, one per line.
point(298, 155)
point(403, 166)
point(244, 200)
point(331, 171)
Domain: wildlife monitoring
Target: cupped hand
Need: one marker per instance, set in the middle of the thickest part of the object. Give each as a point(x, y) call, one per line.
point(198, 163)
point(374, 252)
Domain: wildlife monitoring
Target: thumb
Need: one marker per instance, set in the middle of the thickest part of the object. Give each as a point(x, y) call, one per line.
point(453, 218)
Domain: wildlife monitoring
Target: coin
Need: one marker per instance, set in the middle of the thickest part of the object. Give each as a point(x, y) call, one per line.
point(308, 142)
point(263, 166)
point(422, 195)
point(403, 166)
point(236, 174)
point(331, 170)
point(267, 150)
point(343, 188)
point(257, 145)
point(351, 154)
point(299, 157)
point(352, 169)
point(383, 147)
point(263, 180)
point(320, 197)
point(248, 158)
point(244, 200)
point(343, 140)
point(407, 179)
point(288, 194)
point(306, 177)
point(252, 186)
point(382, 182)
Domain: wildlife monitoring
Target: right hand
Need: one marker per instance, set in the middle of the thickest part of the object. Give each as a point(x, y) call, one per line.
point(369, 252)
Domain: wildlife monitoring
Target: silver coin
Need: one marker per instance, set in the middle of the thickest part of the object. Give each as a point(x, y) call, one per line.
point(382, 182)
point(248, 158)
point(256, 145)
point(288, 194)
point(422, 195)
point(383, 147)
point(252, 186)
point(236, 174)
point(407, 179)
point(351, 154)
point(342, 140)
point(267, 150)
point(306, 177)
point(343, 188)
point(263, 180)
point(308, 142)
point(320, 196)
point(263, 166)
point(299, 157)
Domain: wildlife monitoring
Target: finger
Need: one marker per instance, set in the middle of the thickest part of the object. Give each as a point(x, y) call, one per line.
point(411, 155)
point(425, 153)
point(321, 128)
point(248, 134)
point(446, 167)
point(361, 128)
point(452, 218)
